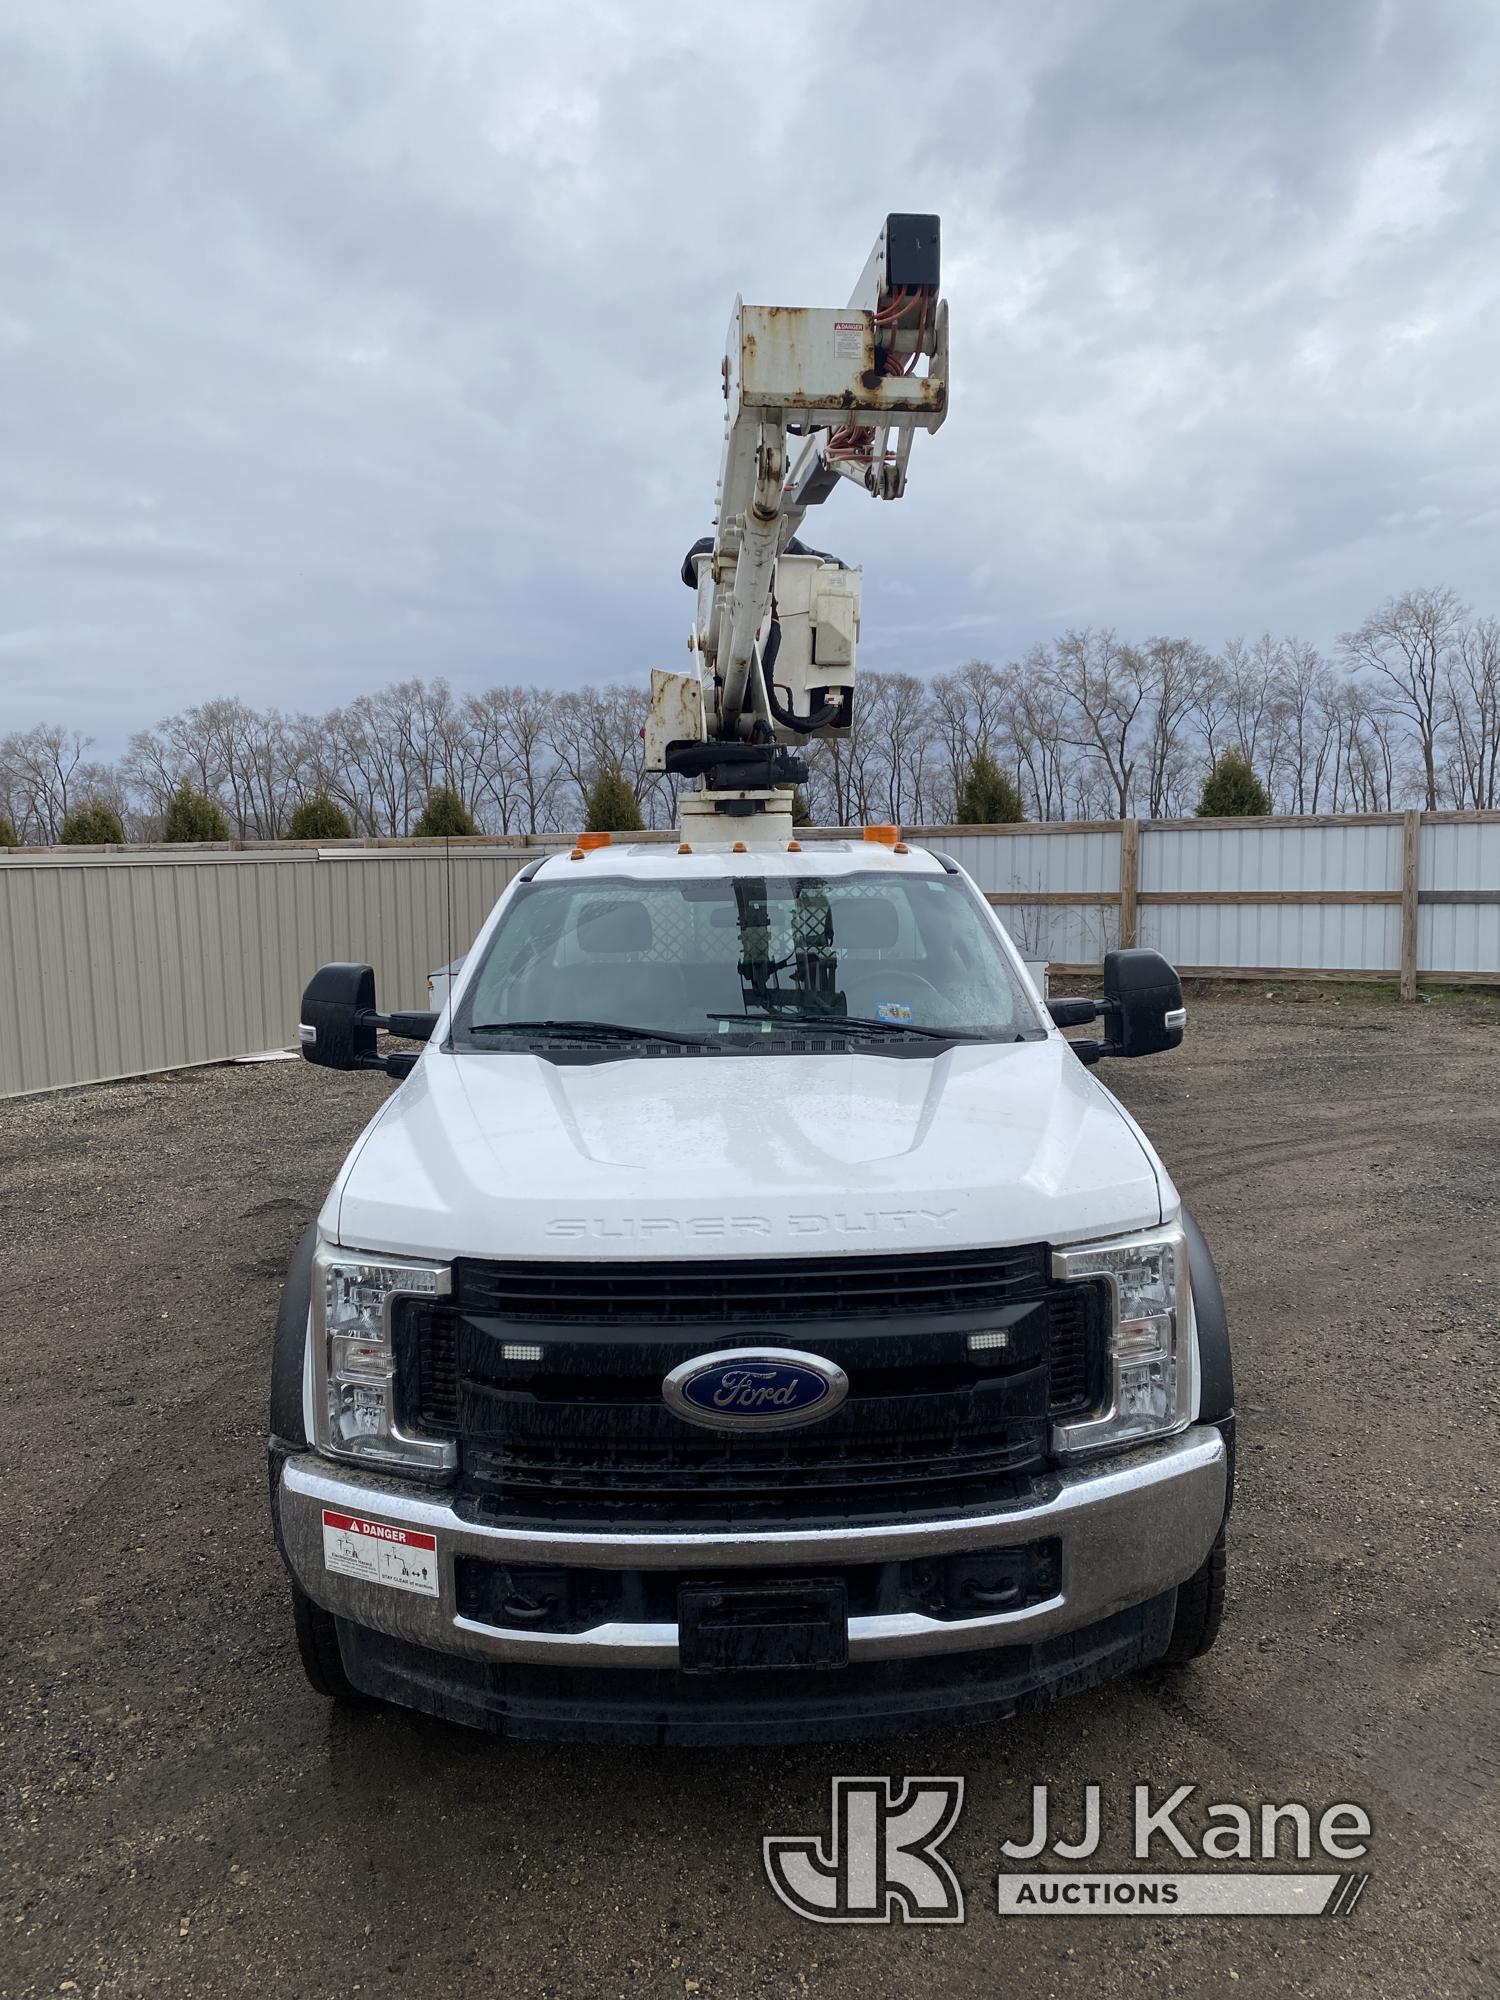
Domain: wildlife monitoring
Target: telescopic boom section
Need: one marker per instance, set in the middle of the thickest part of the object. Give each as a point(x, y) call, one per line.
point(777, 623)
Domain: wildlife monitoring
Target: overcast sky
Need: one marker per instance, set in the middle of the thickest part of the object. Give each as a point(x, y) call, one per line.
point(356, 339)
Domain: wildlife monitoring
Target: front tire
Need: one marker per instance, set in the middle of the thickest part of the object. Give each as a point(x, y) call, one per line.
point(318, 1646)
point(1200, 1609)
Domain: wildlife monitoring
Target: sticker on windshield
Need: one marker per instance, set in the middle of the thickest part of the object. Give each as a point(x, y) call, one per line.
point(892, 1010)
point(379, 1552)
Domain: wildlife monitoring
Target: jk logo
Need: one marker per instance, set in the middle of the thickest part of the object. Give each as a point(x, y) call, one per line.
point(880, 1864)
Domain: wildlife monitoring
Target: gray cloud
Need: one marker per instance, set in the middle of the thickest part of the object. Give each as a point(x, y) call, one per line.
point(345, 342)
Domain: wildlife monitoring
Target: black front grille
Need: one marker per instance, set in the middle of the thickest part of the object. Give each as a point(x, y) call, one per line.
point(733, 1292)
point(584, 1425)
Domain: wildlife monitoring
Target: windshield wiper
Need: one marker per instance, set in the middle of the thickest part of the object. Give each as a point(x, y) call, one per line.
point(840, 1024)
point(588, 1031)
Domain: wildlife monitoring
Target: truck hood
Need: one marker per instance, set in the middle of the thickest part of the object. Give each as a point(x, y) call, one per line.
point(501, 1155)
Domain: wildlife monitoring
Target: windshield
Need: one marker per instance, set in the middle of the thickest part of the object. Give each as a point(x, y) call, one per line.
point(726, 960)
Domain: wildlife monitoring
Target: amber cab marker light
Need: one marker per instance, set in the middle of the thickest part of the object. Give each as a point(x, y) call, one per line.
point(901, 848)
point(886, 835)
point(590, 840)
point(794, 847)
point(739, 848)
point(684, 848)
point(578, 854)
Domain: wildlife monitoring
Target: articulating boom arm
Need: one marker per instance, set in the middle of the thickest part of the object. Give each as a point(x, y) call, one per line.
point(777, 622)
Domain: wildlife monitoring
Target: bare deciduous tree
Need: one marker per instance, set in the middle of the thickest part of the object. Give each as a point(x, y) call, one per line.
point(1474, 703)
point(1178, 673)
point(1408, 645)
point(1251, 678)
point(1107, 688)
point(1034, 722)
point(43, 773)
point(1305, 689)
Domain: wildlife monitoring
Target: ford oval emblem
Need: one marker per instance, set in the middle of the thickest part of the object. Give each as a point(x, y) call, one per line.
point(755, 1389)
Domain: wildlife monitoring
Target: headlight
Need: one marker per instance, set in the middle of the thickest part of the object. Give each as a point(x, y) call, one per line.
point(354, 1363)
point(1150, 1385)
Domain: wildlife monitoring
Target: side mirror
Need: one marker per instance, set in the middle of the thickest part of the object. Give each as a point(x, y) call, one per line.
point(339, 1023)
point(1143, 1007)
point(338, 1018)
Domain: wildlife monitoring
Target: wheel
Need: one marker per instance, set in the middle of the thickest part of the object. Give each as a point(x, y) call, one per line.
point(1200, 1609)
point(318, 1643)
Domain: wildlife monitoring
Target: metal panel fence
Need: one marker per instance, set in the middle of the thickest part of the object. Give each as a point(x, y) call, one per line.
point(1399, 896)
point(1458, 894)
point(120, 962)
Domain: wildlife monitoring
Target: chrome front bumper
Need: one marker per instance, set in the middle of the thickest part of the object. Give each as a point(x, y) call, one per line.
point(1130, 1528)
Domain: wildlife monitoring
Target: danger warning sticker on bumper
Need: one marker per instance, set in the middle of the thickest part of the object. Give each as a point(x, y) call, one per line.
point(377, 1552)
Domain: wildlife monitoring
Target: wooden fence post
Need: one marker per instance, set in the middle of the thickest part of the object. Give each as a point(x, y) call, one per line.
point(1411, 833)
point(1130, 878)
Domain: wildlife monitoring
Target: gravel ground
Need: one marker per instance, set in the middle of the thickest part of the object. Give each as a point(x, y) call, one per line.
point(182, 1815)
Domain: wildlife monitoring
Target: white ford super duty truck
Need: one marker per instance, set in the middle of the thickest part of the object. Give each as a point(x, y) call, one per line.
point(749, 1318)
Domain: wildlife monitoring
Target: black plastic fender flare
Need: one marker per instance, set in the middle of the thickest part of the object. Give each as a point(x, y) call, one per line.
point(1215, 1365)
point(1215, 1368)
point(287, 1428)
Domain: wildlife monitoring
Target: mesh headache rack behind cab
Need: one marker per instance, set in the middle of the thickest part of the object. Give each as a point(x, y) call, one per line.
point(549, 1375)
